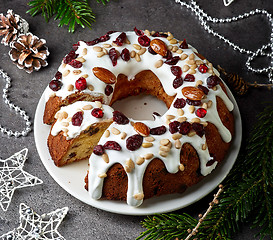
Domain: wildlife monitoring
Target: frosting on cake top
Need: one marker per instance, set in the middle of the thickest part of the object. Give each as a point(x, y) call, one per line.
point(93, 69)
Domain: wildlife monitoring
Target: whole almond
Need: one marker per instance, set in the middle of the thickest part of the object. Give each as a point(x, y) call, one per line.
point(159, 47)
point(193, 93)
point(104, 75)
point(141, 129)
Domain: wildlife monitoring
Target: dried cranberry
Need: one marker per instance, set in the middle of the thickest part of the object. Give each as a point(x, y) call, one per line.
point(75, 63)
point(125, 54)
point(158, 34)
point(104, 38)
point(93, 42)
point(176, 71)
point(120, 118)
point(173, 60)
point(120, 39)
point(134, 142)
point(184, 45)
point(58, 75)
point(174, 127)
point(76, 46)
point(69, 57)
point(201, 112)
point(97, 113)
point(138, 32)
point(81, 84)
point(144, 41)
point(177, 82)
point(113, 56)
point(150, 50)
point(112, 145)
point(193, 102)
point(98, 150)
point(108, 90)
point(55, 85)
point(199, 129)
point(169, 55)
point(204, 89)
point(77, 119)
point(203, 68)
point(110, 32)
point(189, 78)
point(158, 130)
point(185, 128)
point(212, 81)
point(179, 103)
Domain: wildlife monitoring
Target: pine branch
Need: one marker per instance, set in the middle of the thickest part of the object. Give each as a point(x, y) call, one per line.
point(167, 226)
point(69, 12)
point(248, 190)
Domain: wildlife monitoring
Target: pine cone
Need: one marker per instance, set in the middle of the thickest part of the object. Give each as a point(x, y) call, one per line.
point(11, 26)
point(29, 52)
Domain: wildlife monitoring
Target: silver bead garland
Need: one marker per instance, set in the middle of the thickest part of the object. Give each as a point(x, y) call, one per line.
point(12, 106)
point(204, 18)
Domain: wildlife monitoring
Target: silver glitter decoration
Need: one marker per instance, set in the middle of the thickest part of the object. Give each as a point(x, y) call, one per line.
point(34, 226)
point(264, 51)
point(228, 2)
point(15, 108)
point(12, 177)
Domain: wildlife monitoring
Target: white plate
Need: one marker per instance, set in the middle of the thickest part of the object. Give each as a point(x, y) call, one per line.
point(71, 177)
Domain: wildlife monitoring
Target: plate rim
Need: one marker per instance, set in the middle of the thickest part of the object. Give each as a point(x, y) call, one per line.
point(218, 175)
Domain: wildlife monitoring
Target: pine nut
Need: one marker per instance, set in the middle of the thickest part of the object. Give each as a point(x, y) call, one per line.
point(66, 72)
point(164, 142)
point(97, 49)
point(149, 139)
point(148, 156)
point(123, 135)
point(147, 144)
point(70, 87)
point(87, 107)
point(84, 51)
point(140, 160)
point(176, 136)
point(102, 175)
point(115, 131)
point(177, 144)
point(136, 46)
point(158, 63)
point(107, 133)
point(105, 157)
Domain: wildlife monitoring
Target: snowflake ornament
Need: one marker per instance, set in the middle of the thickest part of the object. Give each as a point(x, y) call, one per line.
point(12, 177)
point(35, 226)
point(227, 2)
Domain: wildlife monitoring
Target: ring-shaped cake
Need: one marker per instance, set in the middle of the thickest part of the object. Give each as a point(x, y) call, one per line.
point(132, 160)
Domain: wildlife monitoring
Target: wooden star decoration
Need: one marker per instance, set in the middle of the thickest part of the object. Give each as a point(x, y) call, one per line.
point(227, 2)
point(12, 177)
point(35, 226)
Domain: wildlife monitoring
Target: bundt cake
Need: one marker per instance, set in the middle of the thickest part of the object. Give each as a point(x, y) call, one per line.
point(134, 160)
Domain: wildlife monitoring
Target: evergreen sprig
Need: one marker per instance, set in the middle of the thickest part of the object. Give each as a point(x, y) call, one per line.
point(247, 197)
point(69, 12)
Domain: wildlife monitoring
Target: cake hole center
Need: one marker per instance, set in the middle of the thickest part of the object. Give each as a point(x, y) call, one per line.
point(140, 107)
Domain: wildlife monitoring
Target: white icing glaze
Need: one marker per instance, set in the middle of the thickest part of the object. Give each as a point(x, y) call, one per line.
point(88, 119)
point(172, 161)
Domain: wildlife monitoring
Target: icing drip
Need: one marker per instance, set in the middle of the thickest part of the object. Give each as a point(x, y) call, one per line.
point(171, 158)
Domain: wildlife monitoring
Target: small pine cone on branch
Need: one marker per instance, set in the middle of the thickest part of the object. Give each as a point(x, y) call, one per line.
point(11, 26)
point(29, 52)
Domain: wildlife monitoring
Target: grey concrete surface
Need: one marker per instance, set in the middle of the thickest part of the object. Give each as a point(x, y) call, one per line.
point(83, 221)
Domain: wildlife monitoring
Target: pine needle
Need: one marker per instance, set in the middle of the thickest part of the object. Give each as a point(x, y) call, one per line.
point(68, 12)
